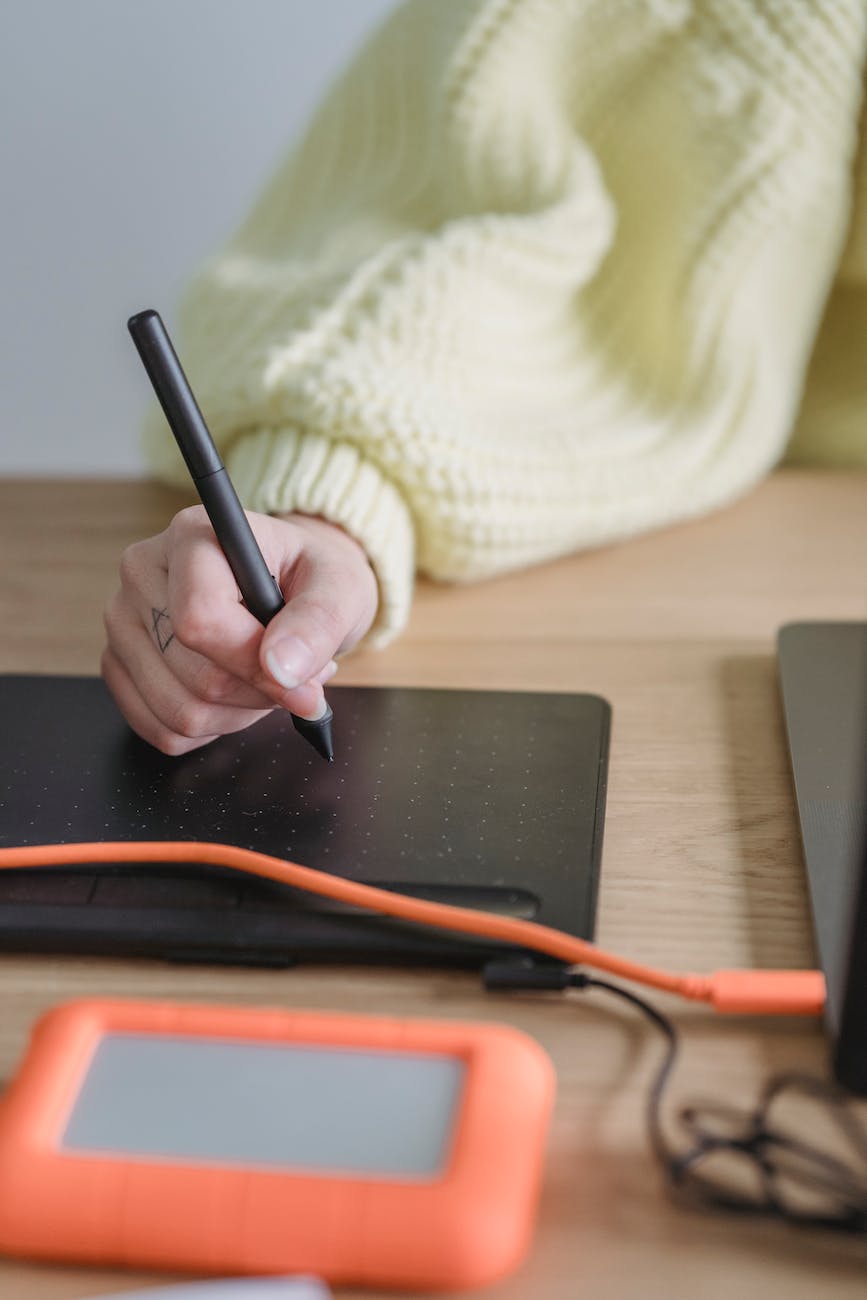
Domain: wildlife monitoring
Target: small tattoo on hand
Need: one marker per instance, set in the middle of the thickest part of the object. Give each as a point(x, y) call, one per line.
point(161, 625)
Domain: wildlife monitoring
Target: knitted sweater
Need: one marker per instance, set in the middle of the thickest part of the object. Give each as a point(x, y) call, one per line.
point(543, 274)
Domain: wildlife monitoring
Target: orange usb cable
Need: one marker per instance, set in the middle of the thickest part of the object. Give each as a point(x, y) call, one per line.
point(737, 992)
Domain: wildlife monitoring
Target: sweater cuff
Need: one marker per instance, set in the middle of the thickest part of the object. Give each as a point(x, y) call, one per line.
point(284, 470)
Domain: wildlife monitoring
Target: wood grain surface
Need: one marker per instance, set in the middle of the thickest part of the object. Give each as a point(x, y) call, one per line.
point(701, 863)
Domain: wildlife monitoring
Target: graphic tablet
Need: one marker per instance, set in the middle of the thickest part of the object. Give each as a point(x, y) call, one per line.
point(481, 798)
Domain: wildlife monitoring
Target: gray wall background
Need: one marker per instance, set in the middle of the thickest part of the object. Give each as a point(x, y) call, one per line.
point(133, 137)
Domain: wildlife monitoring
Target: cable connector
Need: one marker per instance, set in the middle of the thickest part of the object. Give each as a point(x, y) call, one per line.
point(768, 992)
point(512, 975)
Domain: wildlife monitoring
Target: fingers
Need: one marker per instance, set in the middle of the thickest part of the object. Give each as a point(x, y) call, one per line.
point(186, 661)
point(330, 592)
point(145, 586)
point(139, 715)
point(203, 600)
point(173, 697)
point(297, 650)
point(152, 698)
point(162, 711)
point(331, 603)
point(136, 643)
point(213, 625)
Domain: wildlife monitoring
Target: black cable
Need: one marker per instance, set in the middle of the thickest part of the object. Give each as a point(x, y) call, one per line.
point(658, 1143)
point(790, 1174)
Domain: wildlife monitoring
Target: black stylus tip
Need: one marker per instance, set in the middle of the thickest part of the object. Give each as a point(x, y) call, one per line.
point(317, 733)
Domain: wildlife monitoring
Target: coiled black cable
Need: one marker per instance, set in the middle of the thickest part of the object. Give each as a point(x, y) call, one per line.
point(787, 1177)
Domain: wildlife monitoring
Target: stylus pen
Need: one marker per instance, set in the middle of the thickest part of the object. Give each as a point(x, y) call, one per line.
point(257, 585)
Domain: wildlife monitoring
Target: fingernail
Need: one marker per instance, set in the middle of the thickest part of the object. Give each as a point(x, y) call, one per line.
point(290, 661)
point(320, 712)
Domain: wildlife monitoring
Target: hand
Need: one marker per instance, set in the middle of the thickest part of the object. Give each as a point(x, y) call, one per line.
point(187, 662)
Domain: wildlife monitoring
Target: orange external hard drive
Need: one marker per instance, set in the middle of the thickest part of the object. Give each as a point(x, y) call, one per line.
point(367, 1151)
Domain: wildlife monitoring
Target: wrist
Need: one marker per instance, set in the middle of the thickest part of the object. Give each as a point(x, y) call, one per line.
point(308, 478)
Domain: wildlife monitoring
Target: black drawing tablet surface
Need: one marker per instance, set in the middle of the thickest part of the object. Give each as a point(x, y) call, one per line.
point(482, 798)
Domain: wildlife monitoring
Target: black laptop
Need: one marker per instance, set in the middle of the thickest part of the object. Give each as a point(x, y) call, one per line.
point(823, 675)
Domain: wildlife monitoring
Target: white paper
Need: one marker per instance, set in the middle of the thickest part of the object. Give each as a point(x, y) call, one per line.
point(239, 1288)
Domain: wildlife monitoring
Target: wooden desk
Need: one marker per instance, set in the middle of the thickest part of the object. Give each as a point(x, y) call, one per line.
point(701, 866)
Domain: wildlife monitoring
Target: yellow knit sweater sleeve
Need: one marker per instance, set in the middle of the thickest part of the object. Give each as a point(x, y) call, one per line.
point(541, 274)
point(832, 423)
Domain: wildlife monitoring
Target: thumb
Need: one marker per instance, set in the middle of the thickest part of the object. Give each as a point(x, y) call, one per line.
point(302, 639)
